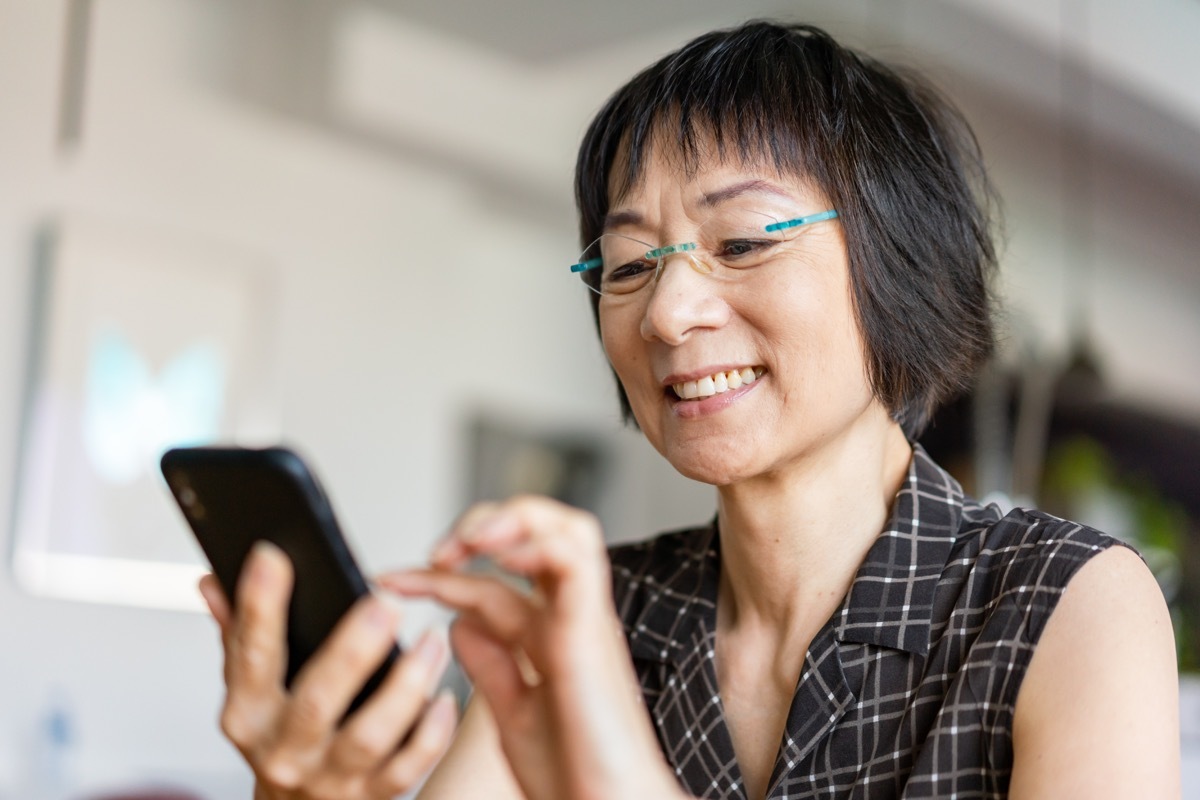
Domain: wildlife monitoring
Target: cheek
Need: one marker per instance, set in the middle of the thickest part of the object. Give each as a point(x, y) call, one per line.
point(811, 324)
point(621, 342)
point(616, 346)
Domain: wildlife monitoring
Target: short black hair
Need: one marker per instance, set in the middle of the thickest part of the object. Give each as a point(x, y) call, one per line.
point(894, 157)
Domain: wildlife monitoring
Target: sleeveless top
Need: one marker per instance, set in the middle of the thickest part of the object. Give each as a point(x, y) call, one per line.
point(907, 691)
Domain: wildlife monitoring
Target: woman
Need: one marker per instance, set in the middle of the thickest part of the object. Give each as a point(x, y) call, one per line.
point(789, 273)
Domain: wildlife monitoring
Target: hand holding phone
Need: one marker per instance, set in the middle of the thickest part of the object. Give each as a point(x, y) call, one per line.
point(233, 497)
point(324, 641)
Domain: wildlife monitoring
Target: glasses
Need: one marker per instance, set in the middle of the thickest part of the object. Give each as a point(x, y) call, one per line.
point(727, 246)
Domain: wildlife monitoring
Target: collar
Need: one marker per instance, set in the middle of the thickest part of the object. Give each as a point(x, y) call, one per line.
point(890, 601)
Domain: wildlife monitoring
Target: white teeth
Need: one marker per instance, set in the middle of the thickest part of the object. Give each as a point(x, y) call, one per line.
point(717, 383)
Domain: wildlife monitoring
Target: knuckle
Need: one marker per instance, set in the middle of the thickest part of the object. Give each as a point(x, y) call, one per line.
point(526, 500)
point(323, 791)
point(236, 726)
point(422, 753)
point(331, 788)
point(250, 645)
point(527, 506)
point(425, 748)
point(585, 527)
point(474, 512)
point(312, 707)
point(565, 552)
point(367, 743)
point(254, 606)
point(361, 652)
point(279, 771)
point(402, 774)
point(249, 656)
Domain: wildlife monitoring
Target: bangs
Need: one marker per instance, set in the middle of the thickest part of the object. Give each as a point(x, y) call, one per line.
point(730, 98)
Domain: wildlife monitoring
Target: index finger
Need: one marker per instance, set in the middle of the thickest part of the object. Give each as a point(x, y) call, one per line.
point(256, 649)
point(535, 536)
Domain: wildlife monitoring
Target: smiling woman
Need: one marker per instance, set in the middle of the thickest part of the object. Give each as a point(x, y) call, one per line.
point(787, 249)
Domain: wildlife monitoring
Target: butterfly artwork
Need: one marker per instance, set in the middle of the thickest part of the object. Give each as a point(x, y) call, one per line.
point(143, 341)
point(131, 414)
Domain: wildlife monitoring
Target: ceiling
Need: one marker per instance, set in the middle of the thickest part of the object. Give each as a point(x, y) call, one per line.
point(1124, 71)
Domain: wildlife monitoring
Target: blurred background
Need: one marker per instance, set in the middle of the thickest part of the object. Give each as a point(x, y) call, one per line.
point(347, 225)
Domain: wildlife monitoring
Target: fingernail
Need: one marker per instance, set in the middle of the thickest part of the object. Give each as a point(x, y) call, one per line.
point(207, 592)
point(485, 528)
point(267, 556)
point(404, 582)
point(443, 707)
point(264, 560)
point(269, 549)
point(492, 525)
point(378, 615)
point(468, 533)
point(429, 649)
point(477, 528)
point(445, 549)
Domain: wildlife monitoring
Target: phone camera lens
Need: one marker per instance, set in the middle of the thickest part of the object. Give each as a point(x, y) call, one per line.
point(187, 497)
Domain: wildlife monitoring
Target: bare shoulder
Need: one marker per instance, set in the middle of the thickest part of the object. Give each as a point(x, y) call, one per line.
point(1097, 714)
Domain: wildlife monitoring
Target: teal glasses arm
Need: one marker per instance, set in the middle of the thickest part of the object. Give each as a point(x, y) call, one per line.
point(584, 266)
point(593, 263)
point(798, 221)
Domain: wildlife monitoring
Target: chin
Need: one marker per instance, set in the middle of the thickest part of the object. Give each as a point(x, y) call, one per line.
point(715, 469)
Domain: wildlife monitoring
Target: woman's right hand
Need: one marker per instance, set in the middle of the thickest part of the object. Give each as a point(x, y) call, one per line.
point(291, 738)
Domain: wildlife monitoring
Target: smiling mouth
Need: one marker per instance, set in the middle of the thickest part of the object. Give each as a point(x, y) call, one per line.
point(717, 383)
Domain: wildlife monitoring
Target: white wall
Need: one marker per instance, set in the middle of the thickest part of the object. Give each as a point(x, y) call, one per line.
point(406, 299)
point(408, 296)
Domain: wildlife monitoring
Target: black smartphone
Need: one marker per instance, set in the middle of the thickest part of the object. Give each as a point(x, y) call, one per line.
point(232, 497)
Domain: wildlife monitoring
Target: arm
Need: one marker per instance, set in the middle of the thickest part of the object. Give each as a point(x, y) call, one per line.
point(474, 766)
point(1097, 715)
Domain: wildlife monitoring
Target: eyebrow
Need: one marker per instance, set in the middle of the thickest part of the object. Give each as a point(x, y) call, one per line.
point(755, 185)
point(617, 219)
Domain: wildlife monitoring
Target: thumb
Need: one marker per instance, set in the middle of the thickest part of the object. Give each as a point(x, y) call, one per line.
point(490, 665)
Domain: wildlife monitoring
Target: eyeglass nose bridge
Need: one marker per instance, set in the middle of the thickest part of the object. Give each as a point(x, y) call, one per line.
point(661, 254)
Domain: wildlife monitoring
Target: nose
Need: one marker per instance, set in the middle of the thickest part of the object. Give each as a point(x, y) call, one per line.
point(683, 299)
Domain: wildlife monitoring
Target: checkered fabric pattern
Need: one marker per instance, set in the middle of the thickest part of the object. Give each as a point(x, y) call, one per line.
point(907, 691)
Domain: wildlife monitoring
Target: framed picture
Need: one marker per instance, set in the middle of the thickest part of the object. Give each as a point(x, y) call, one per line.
point(141, 340)
point(508, 458)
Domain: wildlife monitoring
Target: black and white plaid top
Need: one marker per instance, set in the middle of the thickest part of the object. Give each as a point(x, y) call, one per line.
point(907, 691)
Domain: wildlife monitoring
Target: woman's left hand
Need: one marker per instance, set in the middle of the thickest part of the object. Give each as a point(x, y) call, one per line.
point(551, 662)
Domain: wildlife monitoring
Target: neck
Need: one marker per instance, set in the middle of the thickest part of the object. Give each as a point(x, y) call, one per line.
point(792, 540)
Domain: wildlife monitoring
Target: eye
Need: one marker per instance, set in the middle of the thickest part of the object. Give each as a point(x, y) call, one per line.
point(631, 270)
point(742, 248)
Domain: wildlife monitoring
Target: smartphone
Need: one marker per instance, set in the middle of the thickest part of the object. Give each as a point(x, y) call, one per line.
point(232, 497)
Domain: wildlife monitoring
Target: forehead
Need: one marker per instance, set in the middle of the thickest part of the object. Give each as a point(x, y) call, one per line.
point(700, 172)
